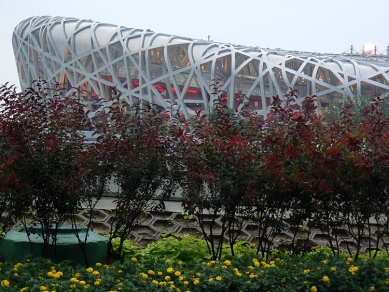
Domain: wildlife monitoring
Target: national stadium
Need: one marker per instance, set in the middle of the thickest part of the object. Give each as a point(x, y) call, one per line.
point(168, 70)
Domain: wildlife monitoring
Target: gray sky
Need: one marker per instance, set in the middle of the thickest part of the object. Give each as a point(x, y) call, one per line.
point(326, 26)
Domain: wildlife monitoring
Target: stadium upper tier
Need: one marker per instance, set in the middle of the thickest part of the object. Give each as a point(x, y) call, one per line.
point(166, 69)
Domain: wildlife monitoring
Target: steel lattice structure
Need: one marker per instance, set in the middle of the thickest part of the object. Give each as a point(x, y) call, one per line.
point(164, 69)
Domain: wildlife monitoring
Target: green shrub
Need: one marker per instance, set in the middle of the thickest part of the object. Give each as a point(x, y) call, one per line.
point(316, 271)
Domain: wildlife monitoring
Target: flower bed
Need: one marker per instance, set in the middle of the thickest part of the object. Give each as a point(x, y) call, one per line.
point(315, 271)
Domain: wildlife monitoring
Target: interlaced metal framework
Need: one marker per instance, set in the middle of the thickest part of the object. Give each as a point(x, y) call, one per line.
point(164, 69)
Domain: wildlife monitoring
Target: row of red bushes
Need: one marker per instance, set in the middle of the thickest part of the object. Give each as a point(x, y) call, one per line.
point(293, 168)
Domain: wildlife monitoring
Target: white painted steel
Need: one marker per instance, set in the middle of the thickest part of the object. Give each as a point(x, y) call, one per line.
point(165, 69)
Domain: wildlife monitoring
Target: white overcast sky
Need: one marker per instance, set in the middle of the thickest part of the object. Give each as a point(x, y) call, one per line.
point(326, 26)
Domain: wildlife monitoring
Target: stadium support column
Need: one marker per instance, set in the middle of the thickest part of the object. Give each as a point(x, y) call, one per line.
point(231, 93)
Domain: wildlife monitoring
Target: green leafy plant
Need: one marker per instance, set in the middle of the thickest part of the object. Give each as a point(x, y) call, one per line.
point(315, 271)
point(187, 216)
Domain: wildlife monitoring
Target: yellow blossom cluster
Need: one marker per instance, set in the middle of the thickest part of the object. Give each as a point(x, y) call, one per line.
point(353, 269)
point(54, 274)
point(75, 282)
point(165, 280)
point(176, 278)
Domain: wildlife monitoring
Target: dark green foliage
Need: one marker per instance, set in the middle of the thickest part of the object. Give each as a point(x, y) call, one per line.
point(318, 269)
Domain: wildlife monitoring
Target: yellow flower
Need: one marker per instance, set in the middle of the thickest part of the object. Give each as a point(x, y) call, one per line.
point(50, 274)
point(238, 274)
point(97, 283)
point(186, 283)
point(218, 278)
point(353, 270)
point(145, 276)
point(98, 264)
point(82, 282)
point(177, 273)
point(73, 286)
point(227, 263)
point(96, 273)
point(134, 259)
point(313, 289)
point(257, 264)
point(167, 278)
point(170, 270)
point(154, 282)
point(159, 273)
point(42, 288)
point(349, 260)
point(326, 279)
point(4, 283)
point(333, 269)
point(372, 288)
point(307, 271)
point(89, 270)
point(120, 271)
point(151, 272)
point(196, 282)
point(210, 279)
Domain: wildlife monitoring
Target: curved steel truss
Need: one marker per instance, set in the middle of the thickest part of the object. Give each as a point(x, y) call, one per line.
point(165, 69)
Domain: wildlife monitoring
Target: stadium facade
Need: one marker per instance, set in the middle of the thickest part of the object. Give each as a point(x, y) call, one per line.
point(164, 69)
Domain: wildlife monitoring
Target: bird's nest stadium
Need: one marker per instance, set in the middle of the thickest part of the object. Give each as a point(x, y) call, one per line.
point(165, 69)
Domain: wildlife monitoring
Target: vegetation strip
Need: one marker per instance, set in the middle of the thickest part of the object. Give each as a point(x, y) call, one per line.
point(318, 270)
